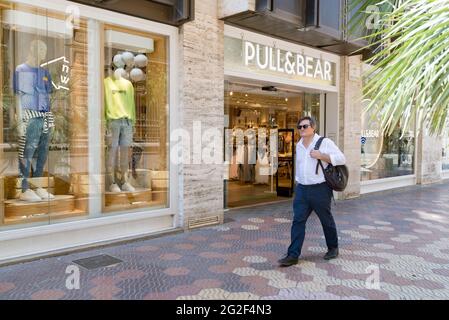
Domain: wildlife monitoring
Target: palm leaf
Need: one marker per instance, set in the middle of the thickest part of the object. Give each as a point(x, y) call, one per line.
point(410, 74)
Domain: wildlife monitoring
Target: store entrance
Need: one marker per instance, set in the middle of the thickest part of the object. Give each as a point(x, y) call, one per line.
point(263, 174)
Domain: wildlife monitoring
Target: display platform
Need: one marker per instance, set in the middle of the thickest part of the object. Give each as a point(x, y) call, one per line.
point(35, 218)
point(13, 185)
point(127, 198)
point(160, 196)
point(19, 208)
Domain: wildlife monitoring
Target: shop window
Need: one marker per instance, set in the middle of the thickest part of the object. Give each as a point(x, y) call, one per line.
point(44, 118)
point(48, 147)
point(384, 156)
point(135, 119)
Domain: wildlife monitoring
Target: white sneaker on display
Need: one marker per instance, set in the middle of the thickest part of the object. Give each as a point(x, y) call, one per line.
point(44, 194)
point(128, 187)
point(114, 188)
point(30, 196)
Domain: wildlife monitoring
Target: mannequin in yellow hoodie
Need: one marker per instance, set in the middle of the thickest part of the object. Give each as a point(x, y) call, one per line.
point(120, 114)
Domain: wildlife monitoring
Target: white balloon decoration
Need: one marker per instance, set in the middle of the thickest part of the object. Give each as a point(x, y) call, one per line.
point(118, 61)
point(128, 66)
point(128, 58)
point(121, 73)
point(136, 74)
point(140, 60)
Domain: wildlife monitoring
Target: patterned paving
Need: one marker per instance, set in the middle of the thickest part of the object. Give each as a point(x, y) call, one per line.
point(400, 236)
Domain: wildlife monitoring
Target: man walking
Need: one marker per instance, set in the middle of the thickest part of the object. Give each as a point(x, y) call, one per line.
point(312, 192)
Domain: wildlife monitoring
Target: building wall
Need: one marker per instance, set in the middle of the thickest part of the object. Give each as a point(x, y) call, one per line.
point(227, 8)
point(350, 120)
point(429, 158)
point(201, 99)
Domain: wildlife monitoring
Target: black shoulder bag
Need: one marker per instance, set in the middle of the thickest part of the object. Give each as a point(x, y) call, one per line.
point(336, 176)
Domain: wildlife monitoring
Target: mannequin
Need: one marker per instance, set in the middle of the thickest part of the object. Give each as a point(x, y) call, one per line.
point(262, 166)
point(120, 114)
point(32, 86)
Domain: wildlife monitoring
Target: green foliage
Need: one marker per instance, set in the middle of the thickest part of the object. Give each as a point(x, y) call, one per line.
point(410, 74)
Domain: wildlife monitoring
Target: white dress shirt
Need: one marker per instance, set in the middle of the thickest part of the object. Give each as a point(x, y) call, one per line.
point(305, 170)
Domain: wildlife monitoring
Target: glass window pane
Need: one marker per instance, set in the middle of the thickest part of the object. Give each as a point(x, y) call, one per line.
point(330, 14)
point(51, 105)
point(135, 119)
point(386, 156)
point(43, 111)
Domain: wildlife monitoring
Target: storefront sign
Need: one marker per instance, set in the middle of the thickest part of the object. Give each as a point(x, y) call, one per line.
point(269, 58)
point(297, 65)
point(371, 133)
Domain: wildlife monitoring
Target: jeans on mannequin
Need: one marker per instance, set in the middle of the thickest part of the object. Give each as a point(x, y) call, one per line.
point(120, 140)
point(36, 143)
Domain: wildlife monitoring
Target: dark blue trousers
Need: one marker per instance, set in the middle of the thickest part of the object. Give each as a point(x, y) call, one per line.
point(36, 143)
point(310, 198)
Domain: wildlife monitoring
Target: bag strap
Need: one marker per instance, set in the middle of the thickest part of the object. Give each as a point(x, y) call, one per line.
point(319, 164)
point(317, 147)
point(318, 143)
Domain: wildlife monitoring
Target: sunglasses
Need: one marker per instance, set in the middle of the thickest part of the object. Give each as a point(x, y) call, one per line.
point(304, 126)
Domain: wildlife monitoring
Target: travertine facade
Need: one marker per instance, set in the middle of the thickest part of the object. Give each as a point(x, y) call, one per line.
point(229, 7)
point(429, 157)
point(350, 120)
point(201, 99)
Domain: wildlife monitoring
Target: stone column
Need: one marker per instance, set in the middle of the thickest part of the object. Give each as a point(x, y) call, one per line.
point(428, 158)
point(228, 8)
point(201, 99)
point(350, 119)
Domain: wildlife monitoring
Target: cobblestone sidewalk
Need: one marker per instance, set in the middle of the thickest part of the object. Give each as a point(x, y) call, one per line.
point(403, 236)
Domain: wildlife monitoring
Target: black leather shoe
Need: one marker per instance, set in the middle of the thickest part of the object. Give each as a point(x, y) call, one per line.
point(332, 253)
point(288, 261)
